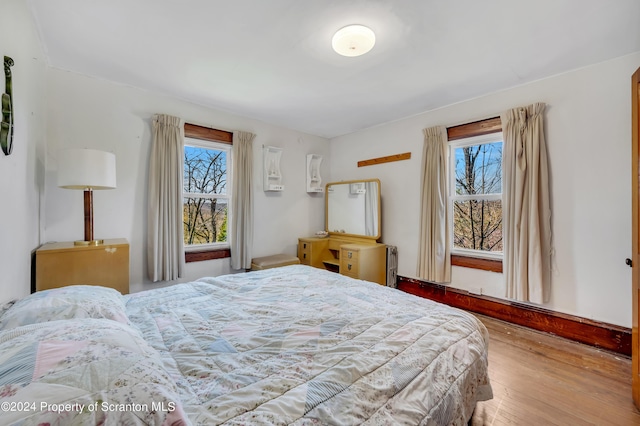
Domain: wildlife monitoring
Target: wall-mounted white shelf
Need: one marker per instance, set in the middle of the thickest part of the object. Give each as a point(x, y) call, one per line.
point(272, 177)
point(314, 180)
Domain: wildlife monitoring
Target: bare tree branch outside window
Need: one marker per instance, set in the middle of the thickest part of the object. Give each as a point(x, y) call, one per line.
point(206, 201)
point(477, 203)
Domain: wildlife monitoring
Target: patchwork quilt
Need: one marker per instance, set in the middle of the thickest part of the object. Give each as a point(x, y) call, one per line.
point(292, 345)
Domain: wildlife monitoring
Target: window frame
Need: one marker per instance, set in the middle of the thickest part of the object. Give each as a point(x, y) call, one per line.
point(453, 197)
point(463, 131)
point(214, 146)
point(204, 136)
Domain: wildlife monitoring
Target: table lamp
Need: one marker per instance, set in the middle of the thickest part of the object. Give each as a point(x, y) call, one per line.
point(88, 170)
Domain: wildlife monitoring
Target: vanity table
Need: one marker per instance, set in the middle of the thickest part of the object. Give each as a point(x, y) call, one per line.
point(352, 218)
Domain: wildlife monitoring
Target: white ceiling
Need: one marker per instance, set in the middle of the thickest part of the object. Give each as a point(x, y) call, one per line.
point(272, 60)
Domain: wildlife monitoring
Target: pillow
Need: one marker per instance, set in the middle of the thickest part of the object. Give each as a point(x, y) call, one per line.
point(84, 371)
point(76, 301)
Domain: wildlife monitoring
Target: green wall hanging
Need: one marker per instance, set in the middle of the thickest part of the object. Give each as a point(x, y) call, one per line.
point(6, 127)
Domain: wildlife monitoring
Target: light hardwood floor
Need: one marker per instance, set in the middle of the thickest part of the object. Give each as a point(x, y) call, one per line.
point(539, 379)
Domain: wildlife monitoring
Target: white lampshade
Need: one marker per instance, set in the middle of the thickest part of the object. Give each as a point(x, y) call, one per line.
point(86, 168)
point(353, 40)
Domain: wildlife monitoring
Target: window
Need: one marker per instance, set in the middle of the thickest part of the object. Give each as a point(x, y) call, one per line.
point(476, 195)
point(206, 193)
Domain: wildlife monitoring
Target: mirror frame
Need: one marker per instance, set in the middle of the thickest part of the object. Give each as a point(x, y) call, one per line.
point(326, 209)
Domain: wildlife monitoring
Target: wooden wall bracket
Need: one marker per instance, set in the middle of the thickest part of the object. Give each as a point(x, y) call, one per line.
point(388, 159)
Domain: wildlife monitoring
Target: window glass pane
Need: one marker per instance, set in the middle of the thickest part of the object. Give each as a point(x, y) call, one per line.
point(477, 225)
point(205, 221)
point(205, 170)
point(478, 169)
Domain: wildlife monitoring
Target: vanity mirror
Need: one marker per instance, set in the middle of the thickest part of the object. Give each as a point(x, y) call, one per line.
point(353, 208)
point(352, 218)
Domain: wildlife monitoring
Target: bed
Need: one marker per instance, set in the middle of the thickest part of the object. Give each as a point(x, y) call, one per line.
point(291, 345)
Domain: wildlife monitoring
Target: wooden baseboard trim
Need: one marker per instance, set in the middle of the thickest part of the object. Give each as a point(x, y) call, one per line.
point(602, 335)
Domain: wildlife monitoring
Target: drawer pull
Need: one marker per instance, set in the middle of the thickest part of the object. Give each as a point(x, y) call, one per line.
point(349, 254)
point(349, 265)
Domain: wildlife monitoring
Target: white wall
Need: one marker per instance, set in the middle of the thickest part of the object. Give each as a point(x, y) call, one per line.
point(588, 132)
point(92, 113)
point(22, 172)
point(589, 141)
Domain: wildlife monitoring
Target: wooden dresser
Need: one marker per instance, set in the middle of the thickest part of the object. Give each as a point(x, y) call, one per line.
point(359, 258)
point(63, 263)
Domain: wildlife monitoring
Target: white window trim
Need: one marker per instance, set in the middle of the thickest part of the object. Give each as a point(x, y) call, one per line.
point(220, 146)
point(462, 143)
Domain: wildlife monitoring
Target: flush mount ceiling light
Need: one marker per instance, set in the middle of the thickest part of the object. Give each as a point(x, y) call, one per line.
point(353, 40)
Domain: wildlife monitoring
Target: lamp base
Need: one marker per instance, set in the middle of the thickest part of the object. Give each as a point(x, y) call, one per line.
point(88, 243)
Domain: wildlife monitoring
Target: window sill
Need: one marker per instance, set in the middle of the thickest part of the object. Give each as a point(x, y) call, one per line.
point(210, 254)
point(493, 265)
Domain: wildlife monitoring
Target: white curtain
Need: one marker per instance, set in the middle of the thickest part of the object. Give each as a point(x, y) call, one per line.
point(526, 210)
point(165, 243)
point(371, 208)
point(242, 200)
point(434, 254)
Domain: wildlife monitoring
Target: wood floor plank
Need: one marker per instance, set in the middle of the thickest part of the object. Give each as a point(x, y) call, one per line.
point(552, 375)
point(541, 379)
point(561, 349)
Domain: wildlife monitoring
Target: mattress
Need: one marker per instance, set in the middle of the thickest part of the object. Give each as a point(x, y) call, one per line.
point(292, 345)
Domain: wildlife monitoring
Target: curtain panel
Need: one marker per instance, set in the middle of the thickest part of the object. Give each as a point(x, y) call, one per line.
point(165, 241)
point(434, 263)
point(526, 207)
point(371, 209)
point(242, 201)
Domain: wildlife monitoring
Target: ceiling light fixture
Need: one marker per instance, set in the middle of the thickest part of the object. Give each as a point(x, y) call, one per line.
point(353, 40)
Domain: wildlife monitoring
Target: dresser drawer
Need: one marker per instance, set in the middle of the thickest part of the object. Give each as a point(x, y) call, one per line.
point(349, 262)
point(350, 255)
point(304, 252)
point(350, 268)
point(312, 251)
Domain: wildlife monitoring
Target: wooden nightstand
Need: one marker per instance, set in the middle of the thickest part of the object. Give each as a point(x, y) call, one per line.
point(62, 264)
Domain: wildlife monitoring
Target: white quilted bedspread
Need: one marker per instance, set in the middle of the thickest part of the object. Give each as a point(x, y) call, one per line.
point(299, 345)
